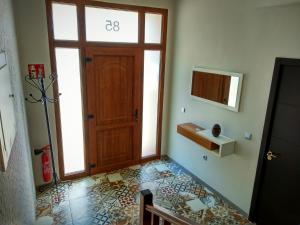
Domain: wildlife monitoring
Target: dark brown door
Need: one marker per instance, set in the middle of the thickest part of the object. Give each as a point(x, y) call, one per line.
point(279, 189)
point(113, 96)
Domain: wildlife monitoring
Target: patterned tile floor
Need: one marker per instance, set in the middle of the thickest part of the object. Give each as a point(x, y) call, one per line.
point(113, 198)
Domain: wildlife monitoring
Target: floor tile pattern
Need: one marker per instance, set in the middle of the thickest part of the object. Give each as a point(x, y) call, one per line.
point(113, 198)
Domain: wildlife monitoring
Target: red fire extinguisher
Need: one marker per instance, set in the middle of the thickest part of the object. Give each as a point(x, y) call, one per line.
point(46, 165)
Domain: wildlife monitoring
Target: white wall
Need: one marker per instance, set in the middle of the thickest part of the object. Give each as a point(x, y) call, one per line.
point(31, 25)
point(17, 193)
point(33, 42)
point(268, 3)
point(236, 36)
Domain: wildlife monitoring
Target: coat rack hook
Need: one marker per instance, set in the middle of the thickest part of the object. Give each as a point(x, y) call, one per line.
point(38, 83)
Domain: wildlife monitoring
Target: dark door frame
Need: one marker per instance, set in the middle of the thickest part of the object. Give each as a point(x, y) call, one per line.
point(279, 62)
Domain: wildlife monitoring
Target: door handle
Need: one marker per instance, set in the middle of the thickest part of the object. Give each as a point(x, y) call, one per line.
point(271, 156)
point(90, 116)
point(136, 115)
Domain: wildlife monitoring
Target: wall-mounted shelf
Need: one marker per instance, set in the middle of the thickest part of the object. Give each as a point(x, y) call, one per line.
point(220, 146)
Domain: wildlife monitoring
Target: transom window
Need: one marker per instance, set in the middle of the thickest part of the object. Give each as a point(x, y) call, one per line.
point(109, 25)
point(65, 22)
point(106, 25)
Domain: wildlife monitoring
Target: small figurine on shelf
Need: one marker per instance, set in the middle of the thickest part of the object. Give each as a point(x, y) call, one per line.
point(216, 130)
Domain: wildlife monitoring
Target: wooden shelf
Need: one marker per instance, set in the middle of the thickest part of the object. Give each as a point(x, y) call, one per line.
point(220, 146)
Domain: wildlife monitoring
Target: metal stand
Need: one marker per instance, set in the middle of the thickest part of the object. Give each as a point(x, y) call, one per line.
point(44, 99)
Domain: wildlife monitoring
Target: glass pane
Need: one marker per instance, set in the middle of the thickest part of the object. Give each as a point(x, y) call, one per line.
point(68, 73)
point(65, 22)
point(153, 23)
point(150, 101)
point(108, 25)
point(233, 91)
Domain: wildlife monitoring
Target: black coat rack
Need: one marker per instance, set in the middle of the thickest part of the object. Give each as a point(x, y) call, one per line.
point(39, 84)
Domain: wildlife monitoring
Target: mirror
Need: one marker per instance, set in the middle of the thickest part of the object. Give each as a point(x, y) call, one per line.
point(217, 87)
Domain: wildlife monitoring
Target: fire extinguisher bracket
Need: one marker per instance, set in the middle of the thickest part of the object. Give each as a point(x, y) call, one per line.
point(38, 151)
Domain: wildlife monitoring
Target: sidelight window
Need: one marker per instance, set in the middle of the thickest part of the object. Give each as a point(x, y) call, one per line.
point(70, 102)
point(150, 101)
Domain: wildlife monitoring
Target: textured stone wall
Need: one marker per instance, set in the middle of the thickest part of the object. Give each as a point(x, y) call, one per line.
point(17, 194)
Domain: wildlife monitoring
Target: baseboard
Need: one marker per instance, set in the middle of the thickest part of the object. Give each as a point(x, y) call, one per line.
point(208, 186)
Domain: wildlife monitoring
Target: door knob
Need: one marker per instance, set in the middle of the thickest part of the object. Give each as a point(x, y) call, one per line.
point(271, 156)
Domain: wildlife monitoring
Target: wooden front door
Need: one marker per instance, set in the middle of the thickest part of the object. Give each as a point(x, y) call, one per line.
point(276, 194)
point(114, 107)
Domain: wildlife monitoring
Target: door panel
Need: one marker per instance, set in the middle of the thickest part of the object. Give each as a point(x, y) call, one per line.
point(113, 95)
point(114, 88)
point(286, 123)
point(115, 146)
point(291, 80)
point(279, 191)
